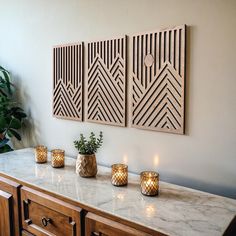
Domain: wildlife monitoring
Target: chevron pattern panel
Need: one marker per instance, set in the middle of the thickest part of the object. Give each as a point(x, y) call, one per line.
point(158, 80)
point(68, 81)
point(106, 82)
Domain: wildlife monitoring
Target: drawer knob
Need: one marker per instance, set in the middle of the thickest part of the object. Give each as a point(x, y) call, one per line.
point(95, 234)
point(45, 221)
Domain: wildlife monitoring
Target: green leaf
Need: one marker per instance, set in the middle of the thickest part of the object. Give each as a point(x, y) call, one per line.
point(3, 123)
point(2, 93)
point(10, 135)
point(15, 134)
point(1, 68)
point(15, 123)
point(5, 148)
point(6, 80)
point(17, 109)
point(20, 115)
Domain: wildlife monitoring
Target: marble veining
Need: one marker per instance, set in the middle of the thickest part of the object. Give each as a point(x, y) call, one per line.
point(176, 211)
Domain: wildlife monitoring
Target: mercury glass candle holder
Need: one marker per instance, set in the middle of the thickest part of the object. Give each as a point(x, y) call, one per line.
point(119, 174)
point(58, 158)
point(41, 153)
point(149, 181)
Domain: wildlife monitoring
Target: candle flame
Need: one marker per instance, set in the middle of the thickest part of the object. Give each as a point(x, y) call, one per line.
point(156, 160)
point(125, 159)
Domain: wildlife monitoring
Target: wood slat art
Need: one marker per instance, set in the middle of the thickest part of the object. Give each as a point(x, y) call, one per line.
point(106, 82)
point(158, 80)
point(68, 81)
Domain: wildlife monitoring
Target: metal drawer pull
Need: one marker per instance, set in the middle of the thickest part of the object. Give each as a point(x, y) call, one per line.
point(95, 234)
point(45, 221)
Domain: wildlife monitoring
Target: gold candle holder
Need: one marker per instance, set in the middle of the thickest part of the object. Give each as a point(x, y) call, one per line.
point(119, 174)
point(41, 153)
point(58, 158)
point(149, 183)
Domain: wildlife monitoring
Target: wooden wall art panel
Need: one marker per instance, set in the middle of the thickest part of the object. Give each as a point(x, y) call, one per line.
point(158, 80)
point(106, 82)
point(68, 81)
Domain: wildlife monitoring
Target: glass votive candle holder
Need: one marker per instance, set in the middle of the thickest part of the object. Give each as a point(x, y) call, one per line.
point(41, 153)
point(149, 181)
point(58, 158)
point(119, 174)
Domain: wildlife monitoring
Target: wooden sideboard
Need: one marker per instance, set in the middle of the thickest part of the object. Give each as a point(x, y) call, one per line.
point(36, 199)
point(28, 211)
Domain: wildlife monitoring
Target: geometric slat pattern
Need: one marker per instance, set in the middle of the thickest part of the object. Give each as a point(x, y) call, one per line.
point(68, 75)
point(158, 80)
point(106, 82)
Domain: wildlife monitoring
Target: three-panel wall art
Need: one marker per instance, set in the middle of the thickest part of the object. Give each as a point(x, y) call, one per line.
point(156, 84)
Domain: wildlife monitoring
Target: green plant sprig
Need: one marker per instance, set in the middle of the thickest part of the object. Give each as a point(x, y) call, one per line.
point(90, 146)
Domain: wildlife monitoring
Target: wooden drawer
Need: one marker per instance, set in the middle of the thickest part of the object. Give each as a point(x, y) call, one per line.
point(99, 226)
point(46, 215)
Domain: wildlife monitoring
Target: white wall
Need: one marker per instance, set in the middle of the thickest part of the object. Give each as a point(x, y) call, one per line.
point(204, 158)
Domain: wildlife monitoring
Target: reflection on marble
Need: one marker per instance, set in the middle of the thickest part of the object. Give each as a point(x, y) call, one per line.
point(176, 211)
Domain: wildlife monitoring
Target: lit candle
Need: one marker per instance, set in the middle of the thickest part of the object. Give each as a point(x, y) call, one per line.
point(149, 183)
point(41, 154)
point(119, 174)
point(58, 158)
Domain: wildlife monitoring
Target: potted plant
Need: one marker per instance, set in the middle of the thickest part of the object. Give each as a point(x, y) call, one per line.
point(86, 164)
point(11, 115)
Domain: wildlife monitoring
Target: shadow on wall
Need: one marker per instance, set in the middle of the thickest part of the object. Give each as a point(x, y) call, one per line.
point(180, 180)
point(30, 129)
point(189, 37)
point(200, 185)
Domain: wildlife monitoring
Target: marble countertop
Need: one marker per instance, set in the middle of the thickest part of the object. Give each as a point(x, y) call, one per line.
point(176, 211)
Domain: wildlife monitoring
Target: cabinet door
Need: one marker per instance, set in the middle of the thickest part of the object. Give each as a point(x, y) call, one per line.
point(99, 226)
point(6, 228)
point(45, 215)
point(9, 208)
